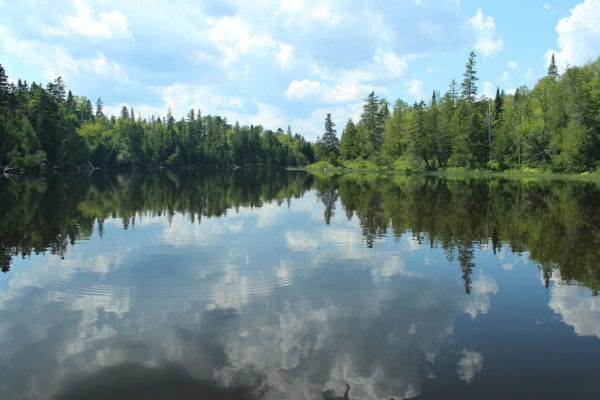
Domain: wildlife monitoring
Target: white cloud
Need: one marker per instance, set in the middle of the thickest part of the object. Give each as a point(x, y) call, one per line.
point(102, 66)
point(285, 55)
point(513, 64)
point(302, 89)
point(303, 13)
point(485, 29)
point(489, 89)
point(301, 241)
point(415, 89)
point(578, 308)
point(393, 65)
point(393, 266)
point(469, 365)
point(58, 61)
point(479, 301)
point(108, 25)
point(267, 115)
point(578, 35)
point(236, 37)
point(180, 98)
point(350, 90)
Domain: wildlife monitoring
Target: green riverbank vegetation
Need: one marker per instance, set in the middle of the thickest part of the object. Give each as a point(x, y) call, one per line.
point(552, 128)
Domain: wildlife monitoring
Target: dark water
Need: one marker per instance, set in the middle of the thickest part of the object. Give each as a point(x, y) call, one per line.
point(282, 286)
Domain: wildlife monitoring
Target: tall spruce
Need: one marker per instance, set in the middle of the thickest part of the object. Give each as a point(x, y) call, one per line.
point(328, 145)
point(4, 85)
point(99, 107)
point(468, 86)
point(349, 145)
point(552, 68)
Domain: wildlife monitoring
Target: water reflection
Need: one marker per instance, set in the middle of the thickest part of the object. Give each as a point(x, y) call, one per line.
point(48, 214)
point(353, 290)
point(577, 309)
point(557, 223)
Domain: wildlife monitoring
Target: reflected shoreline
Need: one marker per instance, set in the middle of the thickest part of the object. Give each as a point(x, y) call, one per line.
point(558, 223)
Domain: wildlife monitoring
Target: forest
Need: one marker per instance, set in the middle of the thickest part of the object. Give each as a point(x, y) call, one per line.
point(554, 127)
point(45, 128)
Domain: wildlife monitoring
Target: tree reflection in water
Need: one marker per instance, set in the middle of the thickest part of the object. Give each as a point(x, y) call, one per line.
point(557, 222)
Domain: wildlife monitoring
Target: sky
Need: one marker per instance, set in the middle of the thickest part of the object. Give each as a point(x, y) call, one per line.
point(287, 62)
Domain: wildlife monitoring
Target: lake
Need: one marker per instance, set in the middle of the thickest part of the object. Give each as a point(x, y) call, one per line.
point(281, 285)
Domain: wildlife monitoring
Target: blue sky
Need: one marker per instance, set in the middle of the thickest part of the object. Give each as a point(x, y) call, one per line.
point(287, 62)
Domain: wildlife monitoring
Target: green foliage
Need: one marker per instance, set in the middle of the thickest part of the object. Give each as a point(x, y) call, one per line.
point(364, 165)
point(328, 147)
point(403, 166)
point(493, 165)
point(553, 127)
point(49, 128)
point(349, 143)
point(371, 126)
point(468, 86)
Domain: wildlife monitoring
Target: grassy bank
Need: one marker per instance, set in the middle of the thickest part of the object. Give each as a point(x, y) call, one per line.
point(324, 169)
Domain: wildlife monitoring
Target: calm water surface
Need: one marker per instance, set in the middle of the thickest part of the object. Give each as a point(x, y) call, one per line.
point(283, 286)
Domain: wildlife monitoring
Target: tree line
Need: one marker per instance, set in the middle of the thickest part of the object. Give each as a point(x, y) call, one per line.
point(49, 127)
point(554, 126)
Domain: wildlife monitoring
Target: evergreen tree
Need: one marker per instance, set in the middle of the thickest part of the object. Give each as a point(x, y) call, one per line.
point(435, 131)
point(372, 124)
point(57, 89)
point(349, 145)
point(71, 104)
point(99, 108)
point(4, 85)
point(552, 68)
point(394, 143)
point(329, 143)
point(468, 86)
point(453, 92)
point(125, 112)
point(498, 107)
point(419, 143)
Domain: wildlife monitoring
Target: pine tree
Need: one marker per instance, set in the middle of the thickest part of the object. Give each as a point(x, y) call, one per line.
point(99, 107)
point(453, 92)
point(329, 144)
point(329, 137)
point(498, 106)
point(71, 104)
point(469, 89)
point(349, 146)
point(552, 69)
point(125, 112)
point(4, 85)
point(57, 89)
